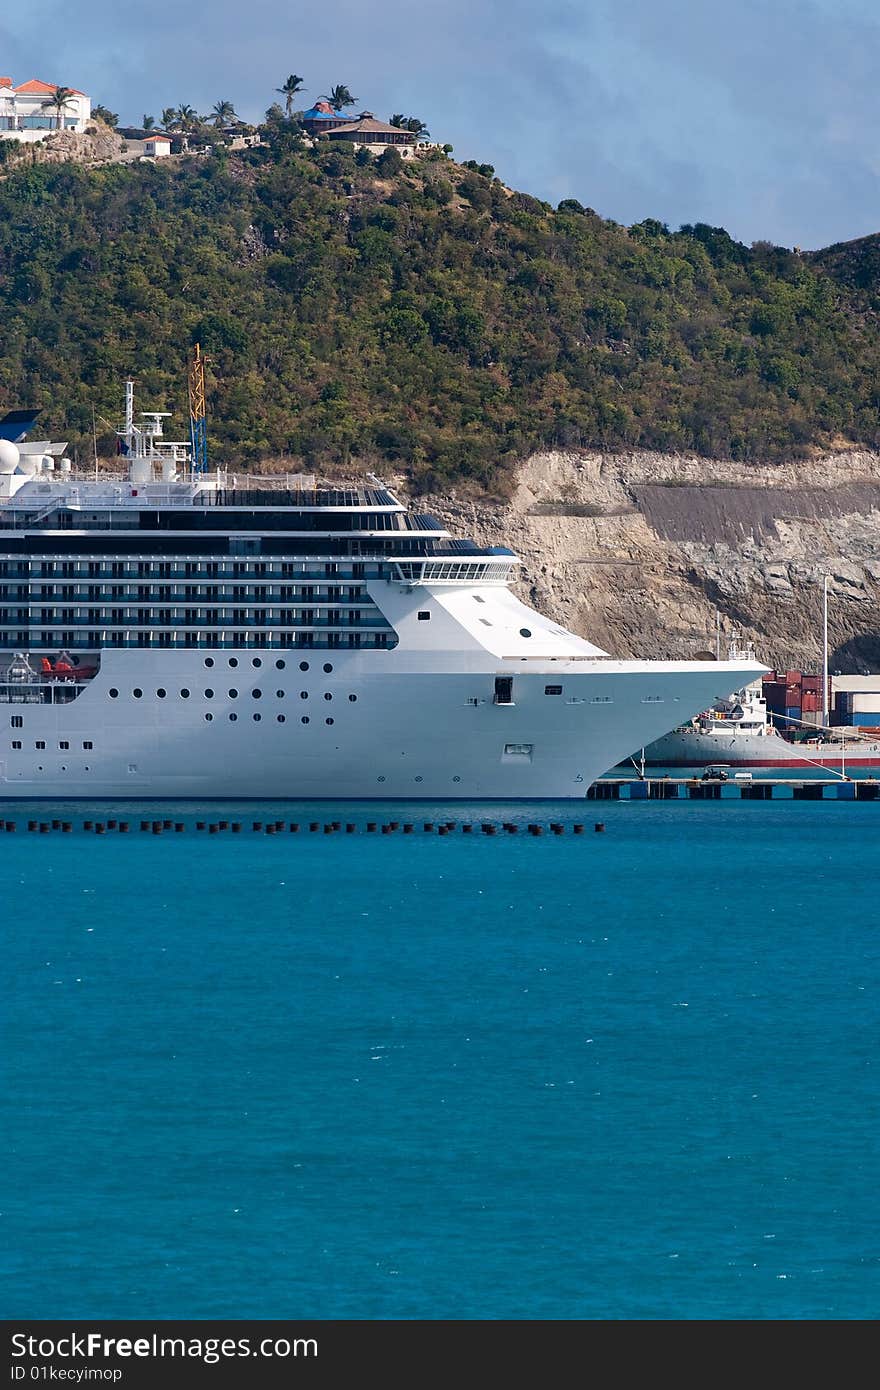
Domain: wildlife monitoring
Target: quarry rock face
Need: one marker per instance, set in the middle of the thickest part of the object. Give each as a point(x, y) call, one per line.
point(640, 552)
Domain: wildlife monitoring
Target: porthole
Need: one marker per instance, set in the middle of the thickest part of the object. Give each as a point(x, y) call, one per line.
point(420, 779)
point(113, 693)
point(184, 694)
point(303, 694)
point(305, 719)
point(233, 662)
point(209, 694)
point(303, 665)
point(456, 779)
point(279, 694)
point(209, 717)
point(328, 721)
point(233, 694)
point(352, 698)
point(257, 718)
point(209, 661)
point(327, 667)
point(232, 718)
point(256, 661)
point(137, 693)
point(257, 694)
point(280, 718)
point(161, 693)
point(279, 665)
point(327, 695)
point(525, 632)
point(380, 779)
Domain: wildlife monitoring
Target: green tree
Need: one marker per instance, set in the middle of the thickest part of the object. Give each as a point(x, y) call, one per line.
point(339, 97)
point(223, 113)
point(170, 118)
point(102, 113)
point(147, 123)
point(291, 88)
point(59, 101)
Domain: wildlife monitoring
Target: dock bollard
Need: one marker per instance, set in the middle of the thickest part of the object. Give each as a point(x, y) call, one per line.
point(350, 829)
point(236, 827)
point(599, 827)
point(223, 824)
point(111, 824)
point(87, 825)
point(200, 825)
point(407, 830)
point(467, 829)
point(44, 827)
point(167, 824)
point(66, 827)
point(313, 826)
point(328, 829)
point(99, 829)
point(257, 825)
point(578, 829)
point(442, 829)
point(179, 827)
point(56, 825)
point(371, 825)
point(157, 828)
point(123, 827)
point(293, 827)
point(428, 825)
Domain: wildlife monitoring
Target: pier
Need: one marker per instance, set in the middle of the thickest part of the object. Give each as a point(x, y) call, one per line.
point(759, 789)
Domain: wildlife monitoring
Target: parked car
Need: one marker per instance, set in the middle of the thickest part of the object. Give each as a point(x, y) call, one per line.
point(716, 772)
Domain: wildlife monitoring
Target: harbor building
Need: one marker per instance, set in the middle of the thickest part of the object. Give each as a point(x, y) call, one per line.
point(29, 112)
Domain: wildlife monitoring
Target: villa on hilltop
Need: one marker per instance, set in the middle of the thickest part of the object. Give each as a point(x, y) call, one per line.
point(362, 131)
point(29, 113)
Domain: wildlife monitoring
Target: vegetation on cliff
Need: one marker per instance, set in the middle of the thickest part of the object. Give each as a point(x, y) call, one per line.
point(415, 312)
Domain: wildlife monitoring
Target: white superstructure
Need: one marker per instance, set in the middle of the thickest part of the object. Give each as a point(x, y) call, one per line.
point(172, 634)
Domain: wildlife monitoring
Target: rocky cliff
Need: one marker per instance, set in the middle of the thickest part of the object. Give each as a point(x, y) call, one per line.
point(641, 551)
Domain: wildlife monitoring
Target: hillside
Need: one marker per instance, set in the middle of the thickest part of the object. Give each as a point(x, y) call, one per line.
point(422, 318)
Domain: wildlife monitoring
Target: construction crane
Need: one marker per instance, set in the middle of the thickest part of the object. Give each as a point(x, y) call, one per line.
point(198, 415)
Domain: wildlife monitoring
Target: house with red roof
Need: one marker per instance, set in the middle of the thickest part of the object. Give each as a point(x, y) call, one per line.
point(31, 111)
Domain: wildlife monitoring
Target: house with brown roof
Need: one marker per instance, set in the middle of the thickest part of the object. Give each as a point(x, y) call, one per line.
point(28, 112)
point(365, 132)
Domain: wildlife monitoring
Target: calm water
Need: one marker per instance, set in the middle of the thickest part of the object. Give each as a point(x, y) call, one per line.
point(630, 1075)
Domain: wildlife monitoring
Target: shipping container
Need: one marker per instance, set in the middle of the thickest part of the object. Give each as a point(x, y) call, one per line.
point(793, 677)
point(793, 711)
point(811, 683)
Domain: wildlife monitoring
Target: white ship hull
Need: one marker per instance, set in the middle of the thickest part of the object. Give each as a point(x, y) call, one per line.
point(415, 730)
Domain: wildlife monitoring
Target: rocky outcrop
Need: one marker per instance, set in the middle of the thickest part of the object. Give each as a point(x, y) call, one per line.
point(641, 552)
point(99, 144)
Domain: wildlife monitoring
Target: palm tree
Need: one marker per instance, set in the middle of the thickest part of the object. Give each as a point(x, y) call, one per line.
point(60, 98)
point(187, 116)
point(170, 118)
point(411, 123)
point(339, 97)
point(292, 86)
point(223, 113)
point(148, 123)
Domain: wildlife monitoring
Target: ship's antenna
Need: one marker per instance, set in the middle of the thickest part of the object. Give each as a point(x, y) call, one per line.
point(198, 421)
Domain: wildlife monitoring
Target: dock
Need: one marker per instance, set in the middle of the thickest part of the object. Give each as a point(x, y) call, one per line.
point(763, 789)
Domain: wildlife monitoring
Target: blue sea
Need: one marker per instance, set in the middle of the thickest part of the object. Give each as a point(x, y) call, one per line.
point(629, 1075)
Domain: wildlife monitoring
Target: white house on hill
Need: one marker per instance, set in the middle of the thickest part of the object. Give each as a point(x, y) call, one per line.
point(30, 112)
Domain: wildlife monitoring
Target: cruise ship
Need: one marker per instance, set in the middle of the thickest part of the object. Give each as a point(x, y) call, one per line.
point(176, 633)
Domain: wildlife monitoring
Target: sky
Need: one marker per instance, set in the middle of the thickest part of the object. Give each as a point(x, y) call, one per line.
point(760, 116)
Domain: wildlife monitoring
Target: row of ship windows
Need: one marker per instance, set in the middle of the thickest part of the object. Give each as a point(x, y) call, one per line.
point(17, 744)
point(187, 569)
point(204, 617)
point(91, 639)
point(40, 744)
point(168, 592)
point(161, 694)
